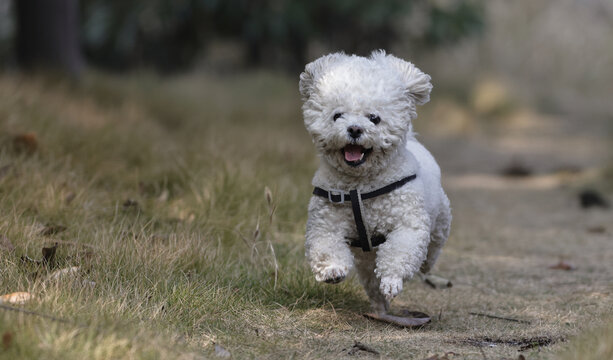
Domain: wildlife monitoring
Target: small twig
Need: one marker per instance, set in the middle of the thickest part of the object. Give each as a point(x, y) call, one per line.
point(333, 309)
point(34, 313)
point(357, 346)
point(500, 317)
point(292, 306)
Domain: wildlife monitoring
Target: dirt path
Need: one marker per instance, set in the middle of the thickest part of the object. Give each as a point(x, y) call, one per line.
point(499, 257)
point(508, 234)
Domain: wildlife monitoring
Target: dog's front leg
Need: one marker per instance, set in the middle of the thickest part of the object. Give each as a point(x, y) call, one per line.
point(326, 248)
point(400, 257)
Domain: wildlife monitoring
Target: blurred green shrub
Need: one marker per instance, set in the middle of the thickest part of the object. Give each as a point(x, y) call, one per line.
point(169, 34)
point(452, 22)
point(7, 32)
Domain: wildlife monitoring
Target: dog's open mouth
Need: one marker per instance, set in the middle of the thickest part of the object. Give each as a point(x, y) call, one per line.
point(355, 154)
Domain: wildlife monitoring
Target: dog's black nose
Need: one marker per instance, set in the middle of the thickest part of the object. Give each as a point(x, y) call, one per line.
point(355, 131)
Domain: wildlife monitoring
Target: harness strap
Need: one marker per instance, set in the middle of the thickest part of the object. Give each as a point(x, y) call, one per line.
point(339, 196)
point(355, 197)
point(356, 206)
point(375, 241)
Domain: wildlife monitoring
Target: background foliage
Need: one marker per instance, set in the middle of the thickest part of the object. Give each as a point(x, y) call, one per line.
point(169, 35)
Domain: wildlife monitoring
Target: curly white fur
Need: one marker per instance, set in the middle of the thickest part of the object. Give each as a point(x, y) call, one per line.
point(415, 218)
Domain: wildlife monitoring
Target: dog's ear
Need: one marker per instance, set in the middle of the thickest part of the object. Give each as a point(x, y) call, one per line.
point(314, 70)
point(417, 83)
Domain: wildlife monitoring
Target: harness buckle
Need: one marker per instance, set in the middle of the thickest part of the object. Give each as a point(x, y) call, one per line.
point(340, 193)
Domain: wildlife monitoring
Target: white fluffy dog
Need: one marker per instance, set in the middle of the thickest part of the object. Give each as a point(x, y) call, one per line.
point(378, 203)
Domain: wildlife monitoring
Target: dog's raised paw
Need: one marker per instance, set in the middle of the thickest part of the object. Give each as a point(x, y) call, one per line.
point(331, 275)
point(390, 287)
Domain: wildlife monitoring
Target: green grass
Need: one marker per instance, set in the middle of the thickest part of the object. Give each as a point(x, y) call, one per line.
point(181, 267)
point(161, 185)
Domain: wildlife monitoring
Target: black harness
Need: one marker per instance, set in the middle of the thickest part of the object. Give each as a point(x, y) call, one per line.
point(355, 197)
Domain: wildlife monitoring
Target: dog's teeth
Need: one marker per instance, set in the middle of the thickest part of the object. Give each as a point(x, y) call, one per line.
point(362, 156)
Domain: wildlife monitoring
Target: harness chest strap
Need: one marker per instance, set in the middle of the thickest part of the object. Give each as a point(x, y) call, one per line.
point(355, 197)
point(356, 206)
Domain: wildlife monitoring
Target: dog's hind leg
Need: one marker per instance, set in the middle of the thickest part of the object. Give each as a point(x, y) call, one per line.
point(438, 236)
point(365, 264)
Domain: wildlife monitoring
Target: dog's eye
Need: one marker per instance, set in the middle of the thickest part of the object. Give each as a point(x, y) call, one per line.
point(374, 118)
point(336, 116)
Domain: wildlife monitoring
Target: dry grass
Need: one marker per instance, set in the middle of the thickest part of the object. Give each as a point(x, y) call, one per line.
point(190, 260)
point(593, 345)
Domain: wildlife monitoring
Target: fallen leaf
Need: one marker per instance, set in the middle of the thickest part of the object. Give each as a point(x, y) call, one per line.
point(437, 282)
point(25, 143)
point(52, 229)
point(597, 230)
point(563, 265)
point(408, 320)
point(221, 352)
point(16, 298)
point(49, 254)
point(358, 346)
point(7, 339)
point(6, 244)
point(516, 169)
point(591, 198)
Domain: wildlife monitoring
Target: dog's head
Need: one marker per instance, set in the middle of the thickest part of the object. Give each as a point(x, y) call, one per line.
point(359, 110)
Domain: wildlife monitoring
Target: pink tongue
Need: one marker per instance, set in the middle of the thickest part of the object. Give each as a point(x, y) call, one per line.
point(353, 152)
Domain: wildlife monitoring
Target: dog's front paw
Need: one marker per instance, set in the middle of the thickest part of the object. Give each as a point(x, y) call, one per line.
point(390, 287)
point(331, 275)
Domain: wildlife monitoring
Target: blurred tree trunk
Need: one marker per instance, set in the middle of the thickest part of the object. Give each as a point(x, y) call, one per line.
point(48, 35)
